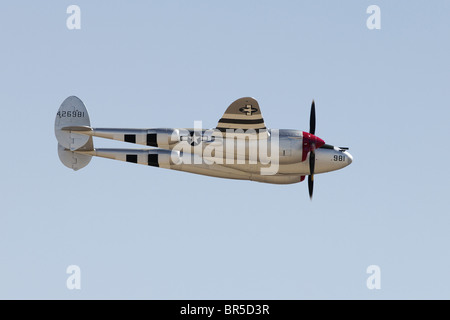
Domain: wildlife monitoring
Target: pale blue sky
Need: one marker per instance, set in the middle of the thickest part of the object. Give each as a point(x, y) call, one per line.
point(140, 232)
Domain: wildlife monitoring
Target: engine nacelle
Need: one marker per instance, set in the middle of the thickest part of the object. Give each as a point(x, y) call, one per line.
point(331, 159)
point(284, 179)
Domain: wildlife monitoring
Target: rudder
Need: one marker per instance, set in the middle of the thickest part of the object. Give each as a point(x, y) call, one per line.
point(73, 113)
point(73, 160)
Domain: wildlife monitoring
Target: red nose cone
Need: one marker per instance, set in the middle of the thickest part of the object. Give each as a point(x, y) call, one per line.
point(308, 141)
point(317, 141)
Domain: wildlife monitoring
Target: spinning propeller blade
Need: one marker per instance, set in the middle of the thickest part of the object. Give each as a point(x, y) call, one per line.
point(312, 153)
point(312, 119)
point(312, 160)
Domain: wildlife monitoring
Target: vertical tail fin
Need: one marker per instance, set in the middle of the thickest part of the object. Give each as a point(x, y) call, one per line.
point(73, 113)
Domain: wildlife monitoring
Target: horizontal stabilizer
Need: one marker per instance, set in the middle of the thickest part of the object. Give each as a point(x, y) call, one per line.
point(77, 128)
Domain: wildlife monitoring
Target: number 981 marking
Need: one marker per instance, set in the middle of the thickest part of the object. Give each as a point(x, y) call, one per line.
point(338, 158)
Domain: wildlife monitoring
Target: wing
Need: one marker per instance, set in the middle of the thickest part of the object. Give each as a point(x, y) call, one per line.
point(244, 113)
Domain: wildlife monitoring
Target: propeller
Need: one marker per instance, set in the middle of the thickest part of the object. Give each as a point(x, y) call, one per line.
point(310, 144)
point(312, 153)
point(312, 119)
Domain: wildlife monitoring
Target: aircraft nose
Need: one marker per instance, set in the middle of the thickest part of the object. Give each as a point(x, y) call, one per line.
point(349, 157)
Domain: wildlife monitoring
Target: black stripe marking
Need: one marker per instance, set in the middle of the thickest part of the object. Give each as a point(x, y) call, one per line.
point(153, 160)
point(241, 121)
point(257, 130)
point(151, 140)
point(130, 138)
point(132, 158)
point(327, 146)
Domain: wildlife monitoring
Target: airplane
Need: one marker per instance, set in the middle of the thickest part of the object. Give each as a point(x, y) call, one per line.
point(240, 147)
